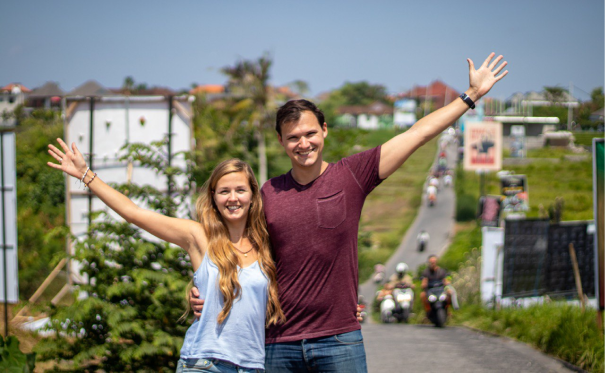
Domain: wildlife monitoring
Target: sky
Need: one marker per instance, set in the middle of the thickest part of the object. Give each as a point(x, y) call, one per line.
point(398, 44)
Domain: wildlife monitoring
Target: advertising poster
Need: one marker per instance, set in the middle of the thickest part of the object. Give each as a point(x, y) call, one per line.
point(598, 185)
point(483, 146)
point(516, 195)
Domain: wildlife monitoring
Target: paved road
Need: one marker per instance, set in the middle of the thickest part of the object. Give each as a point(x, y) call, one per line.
point(423, 348)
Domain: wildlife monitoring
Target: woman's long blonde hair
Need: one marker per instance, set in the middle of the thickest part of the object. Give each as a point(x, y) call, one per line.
point(222, 251)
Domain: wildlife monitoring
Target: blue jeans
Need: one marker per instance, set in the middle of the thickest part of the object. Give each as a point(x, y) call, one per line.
point(337, 353)
point(211, 365)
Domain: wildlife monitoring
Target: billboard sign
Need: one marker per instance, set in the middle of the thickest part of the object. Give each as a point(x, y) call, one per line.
point(483, 146)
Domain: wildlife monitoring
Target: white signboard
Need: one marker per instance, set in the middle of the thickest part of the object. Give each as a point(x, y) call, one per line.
point(491, 264)
point(8, 227)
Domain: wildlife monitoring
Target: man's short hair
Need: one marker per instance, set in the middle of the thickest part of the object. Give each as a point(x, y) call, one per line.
point(432, 256)
point(291, 111)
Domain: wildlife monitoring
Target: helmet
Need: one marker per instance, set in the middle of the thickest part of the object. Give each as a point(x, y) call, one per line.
point(401, 268)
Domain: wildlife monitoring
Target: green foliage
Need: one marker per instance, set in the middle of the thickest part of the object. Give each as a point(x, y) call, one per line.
point(467, 196)
point(597, 101)
point(222, 131)
point(358, 93)
point(12, 360)
point(127, 319)
point(552, 111)
point(585, 138)
point(466, 207)
point(40, 200)
point(463, 242)
point(363, 93)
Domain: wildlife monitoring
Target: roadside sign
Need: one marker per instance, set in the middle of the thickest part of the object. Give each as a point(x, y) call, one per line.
point(483, 146)
point(598, 186)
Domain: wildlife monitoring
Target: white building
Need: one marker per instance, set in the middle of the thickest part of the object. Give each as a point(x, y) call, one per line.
point(106, 121)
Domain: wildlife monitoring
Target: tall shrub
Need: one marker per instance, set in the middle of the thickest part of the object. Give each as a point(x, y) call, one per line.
point(125, 317)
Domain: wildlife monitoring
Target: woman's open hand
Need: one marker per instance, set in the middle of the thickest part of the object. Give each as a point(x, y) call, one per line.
point(70, 161)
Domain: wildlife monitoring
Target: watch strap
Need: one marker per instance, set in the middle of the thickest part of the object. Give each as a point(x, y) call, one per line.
point(469, 101)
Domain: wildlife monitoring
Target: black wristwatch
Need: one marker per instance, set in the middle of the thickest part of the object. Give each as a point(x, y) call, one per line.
point(468, 100)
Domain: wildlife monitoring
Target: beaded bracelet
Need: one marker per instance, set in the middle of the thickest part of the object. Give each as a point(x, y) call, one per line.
point(90, 181)
point(83, 176)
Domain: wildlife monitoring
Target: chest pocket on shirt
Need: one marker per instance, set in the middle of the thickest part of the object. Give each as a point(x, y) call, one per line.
point(331, 211)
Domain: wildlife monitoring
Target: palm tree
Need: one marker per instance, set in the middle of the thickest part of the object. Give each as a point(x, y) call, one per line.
point(249, 83)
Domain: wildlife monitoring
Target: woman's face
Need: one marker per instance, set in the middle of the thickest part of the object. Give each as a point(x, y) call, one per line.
point(233, 196)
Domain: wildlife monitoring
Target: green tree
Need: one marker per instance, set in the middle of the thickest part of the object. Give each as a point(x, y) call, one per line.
point(359, 93)
point(556, 96)
point(128, 84)
point(249, 86)
point(363, 93)
point(40, 200)
point(127, 319)
point(587, 108)
point(299, 87)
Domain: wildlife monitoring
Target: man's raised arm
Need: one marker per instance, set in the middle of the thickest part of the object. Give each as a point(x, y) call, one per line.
point(397, 150)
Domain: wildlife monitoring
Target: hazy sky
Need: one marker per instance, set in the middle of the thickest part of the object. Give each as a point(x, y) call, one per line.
point(395, 43)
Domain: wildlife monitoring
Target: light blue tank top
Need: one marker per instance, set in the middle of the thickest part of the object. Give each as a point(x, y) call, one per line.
point(240, 339)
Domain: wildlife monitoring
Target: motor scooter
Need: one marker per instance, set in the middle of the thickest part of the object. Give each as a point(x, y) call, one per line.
point(386, 309)
point(437, 298)
point(404, 302)
point(432, 199)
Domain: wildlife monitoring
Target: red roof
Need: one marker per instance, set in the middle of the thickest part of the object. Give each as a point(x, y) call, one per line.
point(437, 91)
point(208, 88)
point(10, 87)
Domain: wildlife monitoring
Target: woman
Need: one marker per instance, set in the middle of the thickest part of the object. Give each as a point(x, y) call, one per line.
point(236, 278)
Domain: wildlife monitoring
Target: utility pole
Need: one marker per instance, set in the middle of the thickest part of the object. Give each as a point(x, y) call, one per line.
point(569, 107)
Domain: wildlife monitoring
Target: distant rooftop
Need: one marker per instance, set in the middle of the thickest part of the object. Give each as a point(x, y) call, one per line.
point(49, 89)
point(10, 87)
point(90, 89)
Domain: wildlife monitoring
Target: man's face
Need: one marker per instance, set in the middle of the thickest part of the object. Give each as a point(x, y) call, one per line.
point(432, 263)
point(304, 140)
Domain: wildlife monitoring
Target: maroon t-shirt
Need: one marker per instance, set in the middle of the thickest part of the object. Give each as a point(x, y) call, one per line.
point(313, 230)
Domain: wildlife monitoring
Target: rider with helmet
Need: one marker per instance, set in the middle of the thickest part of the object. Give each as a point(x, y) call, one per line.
point(402, 278)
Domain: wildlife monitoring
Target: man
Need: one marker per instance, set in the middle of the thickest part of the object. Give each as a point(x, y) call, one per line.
point(313, 216)
point(433, 275)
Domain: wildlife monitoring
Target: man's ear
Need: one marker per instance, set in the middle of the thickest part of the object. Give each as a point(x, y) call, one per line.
point(324, 128)
point(281, 142)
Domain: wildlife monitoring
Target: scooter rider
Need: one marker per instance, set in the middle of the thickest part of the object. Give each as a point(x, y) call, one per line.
point(432, 276)
point(402, 278)
point(423, 240)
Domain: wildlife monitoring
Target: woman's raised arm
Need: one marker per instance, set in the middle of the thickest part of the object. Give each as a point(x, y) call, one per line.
point(185, 233)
